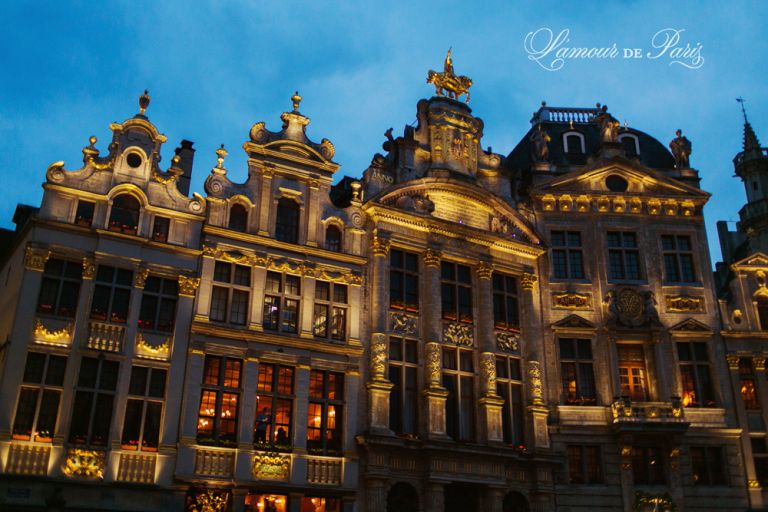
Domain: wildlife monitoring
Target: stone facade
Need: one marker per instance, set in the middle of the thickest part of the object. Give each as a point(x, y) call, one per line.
point(457, 330)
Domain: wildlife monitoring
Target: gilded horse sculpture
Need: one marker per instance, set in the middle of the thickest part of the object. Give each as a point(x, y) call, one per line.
point(447, 83)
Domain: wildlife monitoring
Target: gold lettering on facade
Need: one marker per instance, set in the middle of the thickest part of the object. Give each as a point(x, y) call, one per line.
point(571, 301)
point(684, 303)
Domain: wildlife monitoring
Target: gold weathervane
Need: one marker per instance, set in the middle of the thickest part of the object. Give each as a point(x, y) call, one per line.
point(447, 83)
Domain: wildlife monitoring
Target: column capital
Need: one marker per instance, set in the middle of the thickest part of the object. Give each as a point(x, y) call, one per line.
point(141, 278)
point(188, 285)
point(89, 268)
point(758, 362)
point(431, 258)
point(434, 366)
point(528, 280)
point(35, 258)
point(733, 361)
point(536, 389)
point(380, 246)
point(484, 270)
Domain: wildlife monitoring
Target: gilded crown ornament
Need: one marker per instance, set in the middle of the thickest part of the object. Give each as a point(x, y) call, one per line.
point(144, 102)
point(447, 83)
point(296, 99)
point(221, 154)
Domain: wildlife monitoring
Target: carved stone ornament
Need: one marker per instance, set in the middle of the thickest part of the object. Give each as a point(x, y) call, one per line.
point(271, 466)
point(459, 334)
point(484, 270)
point(528, 281)
point(654, 502)
point(401, 323)
point(535, 383)
point(141, 278)
point(431, 258)
point(35, 258)
point(684, 303)
point(84, 463)
point(208, 501)
point(89, 268)
point(160, 351)
point(571, 300)
point(507, 341)
point(733, 361)
point(434, 370)
point(758, 362)
point(378, 356)
point(188, 285)
point(380, 246)
point(632, 308)
point(488, 371)
point(61, 336)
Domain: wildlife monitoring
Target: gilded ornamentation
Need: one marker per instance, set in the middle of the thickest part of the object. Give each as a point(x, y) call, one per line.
point(626, 451)
point(754, 484)
point(434, 370)
point(528, 281)
point(535, 383)
point(645, 502)
point(61, 337)
point(488, 371)
point(448, 82)
point(632, 308)
point(35, 258)
point(733, 361)
point(85, 463)
point(571, 301)
point(608, 125)
point(89, 268)
point(188, 285)
point(484, 270)
point(161, 350)
point(507, 341)
point(271, 466)
point(209, 501)
point(684, 303)
point(402, 323)
point(141, 278)
point(540, 144)
point(165, 180)
point(459, 334)
point(55, 171)
point(431, 258)
point(378, 356)
point(380, 246)
point(758, 362)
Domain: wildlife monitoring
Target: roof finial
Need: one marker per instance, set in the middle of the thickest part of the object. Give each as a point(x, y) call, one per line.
point(743, 110)
point(296, 99)
point(221, 153)
point(144, 102)
point(751, 143)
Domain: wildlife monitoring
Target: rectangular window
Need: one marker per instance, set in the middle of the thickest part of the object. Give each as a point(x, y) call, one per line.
point(84, 213)
point(231, 293)
point(404, 397)
point(632, 372)
point(330, 313)
point(506, 315)
point(144, 409)
point(458, 380)
point(567, 258)
point(694, 374)
point(678, 259)
point(160, 229)
point(94, 399)
point(648, 466)
point(509, 386)
point(456, 292)
point(623, 256)
point(158, 304)
point(219, 401)
point(60, 288)
point(584, 464)
point(707, 465)
point(748, 384)
point(577, 372)
point(273, 427)
point(403, 281)
point(325, 412)
point(112, 294)
point(38, 406)
point(281, 302)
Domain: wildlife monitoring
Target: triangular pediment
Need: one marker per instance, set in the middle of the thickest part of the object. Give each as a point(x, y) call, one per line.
point(574, 322)
point(690, 326)
point(755, 261)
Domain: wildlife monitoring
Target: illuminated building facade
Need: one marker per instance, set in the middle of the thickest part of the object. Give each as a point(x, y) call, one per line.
point(458, 330)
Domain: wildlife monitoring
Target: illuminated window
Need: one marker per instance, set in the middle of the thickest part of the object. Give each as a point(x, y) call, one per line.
point(333, 238)
point(403, 281)
point(124, 217)
point(747, 384)
point(266, 503)
point(456, 292)
point(158, 304)
point(623, 256)
point(94, 400)
point(84, 212)
point(404, 397)
point(509, 386)
point(38, 406)
point(287, 224)
point(632, 372)
point(458, 380)
point(281, 302)
point(506, 315)
point(330, 299)
point(694, 375)
point(60, 288)
point(325, 412)
point(160, 228)
point(708, 465)
point(678, 259)
point(648, 466)
point(567, 259)
point(584, 464)
point(219, 400)
point(238, 218)
point(318, 504)
point(576, 372)
point(144, 409)
point(230, 293)
point(112, 294)
point(273, 426)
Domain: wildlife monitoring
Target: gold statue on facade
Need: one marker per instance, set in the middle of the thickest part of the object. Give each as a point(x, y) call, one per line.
point(447, 83)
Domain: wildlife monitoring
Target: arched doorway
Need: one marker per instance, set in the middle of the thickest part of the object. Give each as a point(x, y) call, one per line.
point(515, 502)
point(402, 497)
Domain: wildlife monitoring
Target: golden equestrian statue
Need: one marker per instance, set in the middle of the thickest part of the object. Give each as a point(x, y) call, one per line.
point(448, 84)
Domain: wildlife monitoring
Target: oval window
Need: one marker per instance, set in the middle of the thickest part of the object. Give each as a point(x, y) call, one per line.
point(616, 183)
point(133, 159)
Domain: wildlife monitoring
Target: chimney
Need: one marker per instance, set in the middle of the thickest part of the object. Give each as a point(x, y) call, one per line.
point(187, 155)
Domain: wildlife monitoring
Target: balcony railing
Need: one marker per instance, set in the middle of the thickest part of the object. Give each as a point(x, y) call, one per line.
point(107, 337)
point(648, 415)
point(215, 463)
point(137, 468)
point(324, 470)
point(25, 459)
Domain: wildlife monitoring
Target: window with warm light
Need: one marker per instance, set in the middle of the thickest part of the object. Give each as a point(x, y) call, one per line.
point(695, 374)
point(38, 407)
point(287, 223)
point(266, 503)
point(230, 293)
point(281, 302)
point(330, 313)
point(160, 228)
point(144, 409)
point(219, 401)
point(509, 386)
point(318, 504)
point(456, 292)
point(576, 371)
point(324, 414)
point(584, 464)
point(124, 216)
point(506, 315)
point(458, 380)
point(273, 425)
point(632, 374)
point(158, 304)
point(748, 384)
point(60, 288)
point(94, 402)
point(404, 396)
point(111, 294)
point(403, 281)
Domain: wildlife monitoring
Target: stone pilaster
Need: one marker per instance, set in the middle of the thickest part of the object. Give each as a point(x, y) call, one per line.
point(375, 495)
point(430, 296)
point(265, 201)
point(378, 386)
point(537, 411)
point(313, 210)
point(259, 280)
point(194, 378)
point(247, 411)
point(434, 498)
point(490, 403)
point(435, 395)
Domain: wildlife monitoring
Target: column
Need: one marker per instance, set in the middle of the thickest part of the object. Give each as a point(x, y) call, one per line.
point(490, 403)
point(206, 273)
point(378, 386)
point(435, 394)
point(434, 498)
point(313, 210)
point(376, 495)
point(265, 201)
point(538, 433)
point(247, 413)
point(191, 402)
point(306, 320)
point(355, 309)
point(258, 282)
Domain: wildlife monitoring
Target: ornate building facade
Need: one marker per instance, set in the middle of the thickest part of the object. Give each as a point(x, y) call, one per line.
point(456, 330)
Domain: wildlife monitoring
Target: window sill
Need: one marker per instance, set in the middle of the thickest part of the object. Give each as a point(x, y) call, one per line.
point(637, 282)
point(691, 284)
point(569, 280)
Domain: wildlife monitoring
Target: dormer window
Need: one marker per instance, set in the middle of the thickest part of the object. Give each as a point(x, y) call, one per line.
point(84, 213)
point(573, 142)
point(287, 223)
point(124, 217)
point(238, 218)
point(630, 143)
point(333, 238)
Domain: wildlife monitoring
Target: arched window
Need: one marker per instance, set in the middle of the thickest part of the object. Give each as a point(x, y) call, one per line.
point(402, 497)
point(287, 224)
point(630, 143)
point(333, 238)
point(574, 143)
point(124, 217)
point(762, 312)
point(238, 218)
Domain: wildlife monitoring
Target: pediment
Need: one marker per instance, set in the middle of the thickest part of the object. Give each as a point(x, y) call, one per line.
point(574, 322)
point(754, 261)
point(690, 326)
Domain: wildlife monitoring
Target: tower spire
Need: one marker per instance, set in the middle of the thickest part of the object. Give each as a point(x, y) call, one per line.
point(751, 143)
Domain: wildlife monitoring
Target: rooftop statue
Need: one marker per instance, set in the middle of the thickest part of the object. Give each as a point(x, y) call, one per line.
point(540, 147)
point(608, 125)
point(681, 150)
point(447, 83)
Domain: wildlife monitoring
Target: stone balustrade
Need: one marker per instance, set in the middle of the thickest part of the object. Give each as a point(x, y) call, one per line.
point(137, 468)
point(27, 459)
point(214, 462)
point(324, 470)
point(104, 336)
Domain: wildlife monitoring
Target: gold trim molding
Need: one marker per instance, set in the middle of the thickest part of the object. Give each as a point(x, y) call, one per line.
point(62, 336)
point(570, 300)
point(684, 303)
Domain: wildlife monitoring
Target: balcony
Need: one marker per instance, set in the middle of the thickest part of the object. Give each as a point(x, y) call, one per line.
point(27, 459)
point(648, 416)
point(217, 463)
point(153, 346)
point(106, 337)
point(324, 470)
point(137, 468)
point(53, 331)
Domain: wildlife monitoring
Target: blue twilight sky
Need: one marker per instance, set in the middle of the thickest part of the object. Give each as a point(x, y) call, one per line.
point(215, 68)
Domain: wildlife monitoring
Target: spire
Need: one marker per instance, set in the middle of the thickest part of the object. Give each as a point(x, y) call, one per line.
point(751, 143)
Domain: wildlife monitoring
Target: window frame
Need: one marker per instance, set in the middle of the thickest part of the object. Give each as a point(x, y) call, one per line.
point(404, 281)
point(583, 367)
point(335, 245)
point(643, 468)
point(589, 456)
point(699, 389)
point(39, 388)
point(160, 295)
point(569, 253)
point(220, 390)
point(510, 387)
point(674, 256)
point(62, 281)
point(403, 367)
point(237, 223)
point(275, 319)
point(460, 414)
point(453, 285)
point(146, 400)
point(162, 234)
point(332, 307)
point(623, 251)
point(275, 394)
point(124, 212)
point(505, 292)
point(715, 470)
point(326, 402)
point(121, 280)
point(288, 220)
point(231, 288)
point(81, 217)
point(97, 392)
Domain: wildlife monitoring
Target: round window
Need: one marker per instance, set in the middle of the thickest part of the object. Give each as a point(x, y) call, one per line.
point(616, 183)
point(133, 159)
